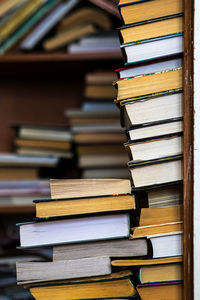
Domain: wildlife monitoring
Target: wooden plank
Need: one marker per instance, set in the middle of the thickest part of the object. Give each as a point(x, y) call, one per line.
point(188, 151)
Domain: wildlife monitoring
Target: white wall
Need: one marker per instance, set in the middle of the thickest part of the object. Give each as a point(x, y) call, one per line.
point(197, 151)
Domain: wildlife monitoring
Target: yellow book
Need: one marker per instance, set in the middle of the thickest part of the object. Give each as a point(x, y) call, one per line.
point(150, 84)
point(161, 292)
point(98, 289)
point(19, 18)
point(151, 30)
point(6, 5)
point(146, 262)
point(52, 208)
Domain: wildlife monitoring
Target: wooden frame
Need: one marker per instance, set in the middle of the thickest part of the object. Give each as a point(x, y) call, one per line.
point(188, 150)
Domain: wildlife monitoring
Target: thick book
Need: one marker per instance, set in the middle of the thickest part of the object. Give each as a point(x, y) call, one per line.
point(154, 147)
point(155, 172)
point(142, 11)
point(168, 291)
point(149, 84)
point(166, 245)
point(73, 188)
point(119, 248)
point(78, 206)
point(63, 231)
point(32, 272)
point(146, 262)
point(153, 49)
point(116, 285)
point(151, 30)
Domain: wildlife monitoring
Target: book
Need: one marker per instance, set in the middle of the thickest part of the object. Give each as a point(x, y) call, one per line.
point(67, 207)
point(18, 173)
point(97, 127)
point(44, 152)
point(43, 133)
point(85, 15)
point(149, 67)
point(32, 272)
point(70, 188)
point(134, 12)
point(118, 248)
point(122, 173)
point(149, 84)
point(5, 6)
point(160, 245)
point(110, 6)
point(111, 286)
point(171, 291)
point(18, 18)
point(65, 231)
point(103, 160)
point(165, 196)
point(100, 138)
point(157, 230)
point(150, 130)
point(100, 77)
point(100, 92)
point(151, 30)
point(68, 36)
point(149, 50)
point(167, 120)
point(14, 160)
point(154, 147)
point(155, 172)
point(147, 262)
point(47, 24)
point(42, 144)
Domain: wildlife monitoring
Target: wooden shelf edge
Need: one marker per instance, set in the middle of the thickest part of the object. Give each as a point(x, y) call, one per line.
point(17, 209)
point(56, 57)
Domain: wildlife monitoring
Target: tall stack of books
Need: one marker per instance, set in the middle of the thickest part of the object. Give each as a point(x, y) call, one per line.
point(150, 98)
point(86, 222)
point(96, 130)
point(55, 25)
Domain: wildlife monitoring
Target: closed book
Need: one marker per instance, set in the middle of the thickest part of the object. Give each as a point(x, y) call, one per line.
point(167, 245)
point(151, 30)
point(113, 248)
point(71, 188)
point(78, 206)
point(116, 285)
point(146, 262)
point(155, 172)
point(153, 49)
point(18, 173)
point(149, 84)
point(141, 11)
point(14, 160)
point(122, 173)
point(159, 146)
point(100, 92)
point(103, 160)
point(64, 231)
point(7, 5)
point(43, 144)
point(32, 272)
point(168, 291)
point(99, 138)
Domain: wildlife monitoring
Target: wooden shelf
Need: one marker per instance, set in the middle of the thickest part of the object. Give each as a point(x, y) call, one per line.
point(56, 57)
point(17, 209)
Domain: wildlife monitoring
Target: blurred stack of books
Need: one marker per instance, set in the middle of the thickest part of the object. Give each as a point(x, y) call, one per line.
point(96, 130)
point(150, 99)
point(55, 25)
point(87, 222)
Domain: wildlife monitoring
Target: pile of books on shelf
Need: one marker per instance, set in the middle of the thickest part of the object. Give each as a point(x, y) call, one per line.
point(150, 99)
point(55, 25)
point(96, 130)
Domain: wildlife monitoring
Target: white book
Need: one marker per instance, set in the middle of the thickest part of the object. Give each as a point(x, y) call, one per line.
point(98, 127)
point(153, 49)
point(47, 24)
point(42, 133)
point(152, 67)
point(164, 107)
point(166, 245)
point(74, 230)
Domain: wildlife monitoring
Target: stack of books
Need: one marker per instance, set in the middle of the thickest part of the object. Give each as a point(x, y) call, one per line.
point(86, 222)
point(96, 130)
point(55, 25)
point(150, 99)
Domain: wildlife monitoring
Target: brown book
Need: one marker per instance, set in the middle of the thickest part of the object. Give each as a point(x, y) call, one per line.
point(112, 248)
point(151, 30)
point(68, 207)
point(100, 138)
point(160, 292)
point(18, 173)
point(66, 37)
point(85, 15)
point(100, 77)
point(150, 84)
point(76, 188)
point(100, 92)
point(58, 145)
point(100, 149)
point(148, 10)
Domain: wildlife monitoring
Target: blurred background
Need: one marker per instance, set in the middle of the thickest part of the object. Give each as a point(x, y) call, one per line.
point(57, 116)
